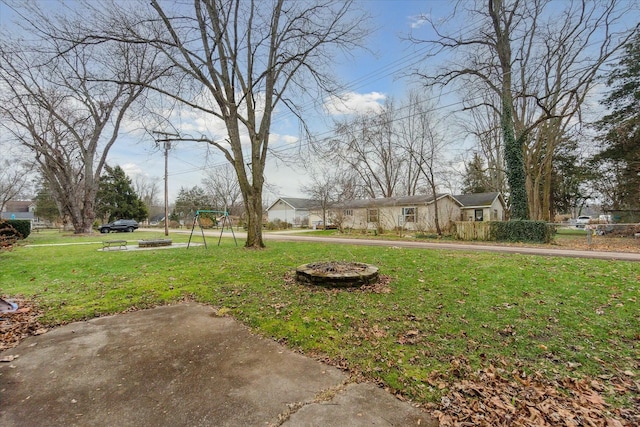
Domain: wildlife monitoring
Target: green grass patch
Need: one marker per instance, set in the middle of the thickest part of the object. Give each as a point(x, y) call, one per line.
point(571, 231)
point(555, 316)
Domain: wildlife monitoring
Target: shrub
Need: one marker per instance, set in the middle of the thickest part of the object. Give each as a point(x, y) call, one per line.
point(278, 224)
point(11, 231)
point(206, 222)
point(19, 228)
point(522, 231)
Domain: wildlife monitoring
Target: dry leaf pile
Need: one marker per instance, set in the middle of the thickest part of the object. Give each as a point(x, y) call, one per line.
point(17, 325)
point(495, 397)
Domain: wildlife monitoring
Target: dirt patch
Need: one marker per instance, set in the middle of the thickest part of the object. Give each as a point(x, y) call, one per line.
point(599, 243)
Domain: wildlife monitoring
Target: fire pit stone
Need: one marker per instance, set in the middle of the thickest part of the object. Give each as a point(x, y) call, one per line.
point(337, 274)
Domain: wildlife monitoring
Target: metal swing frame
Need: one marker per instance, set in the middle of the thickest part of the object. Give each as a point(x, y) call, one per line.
point(225, 220)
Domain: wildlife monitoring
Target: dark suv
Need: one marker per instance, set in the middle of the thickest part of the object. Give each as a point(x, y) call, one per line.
point(120, 225)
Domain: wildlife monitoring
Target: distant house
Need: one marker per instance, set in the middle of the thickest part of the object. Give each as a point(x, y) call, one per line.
point(19, 209)
point(416, 212)
point(482, 207)
point(291, 210)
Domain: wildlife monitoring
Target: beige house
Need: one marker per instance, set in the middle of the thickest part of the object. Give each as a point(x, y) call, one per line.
point(482, 207)
point(416, 213)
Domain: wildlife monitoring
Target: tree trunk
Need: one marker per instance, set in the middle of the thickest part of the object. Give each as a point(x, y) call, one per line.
point(513, 147)
point(253, 205)
point(514, 162)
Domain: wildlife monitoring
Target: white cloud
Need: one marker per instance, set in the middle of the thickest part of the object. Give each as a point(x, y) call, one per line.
point(417, 21)
point(285, 139)
point(352, 102)
point(132, 169)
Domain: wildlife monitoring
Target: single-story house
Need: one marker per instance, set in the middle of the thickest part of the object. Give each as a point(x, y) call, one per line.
point(292, 210)
point(18, 209)
point(21, 209)
point(416, 212)
point(482, 207)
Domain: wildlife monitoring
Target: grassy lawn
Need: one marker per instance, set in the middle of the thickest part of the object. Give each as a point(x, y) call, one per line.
point(550, 317)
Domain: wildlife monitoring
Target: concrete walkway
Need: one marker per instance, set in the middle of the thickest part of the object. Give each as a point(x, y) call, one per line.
point(181, 365)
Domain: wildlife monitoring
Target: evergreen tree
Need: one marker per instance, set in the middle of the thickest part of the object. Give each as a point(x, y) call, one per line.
point(620, 131)
point(570, 181)
point(116, 198)
point(191, 200)
point(46, 206)
point(476, 179)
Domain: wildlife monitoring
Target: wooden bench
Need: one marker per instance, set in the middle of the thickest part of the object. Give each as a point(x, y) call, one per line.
point(154, 243)
point(107, 245)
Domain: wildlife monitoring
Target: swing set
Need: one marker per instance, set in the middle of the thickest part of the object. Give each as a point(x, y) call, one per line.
point(224, 219)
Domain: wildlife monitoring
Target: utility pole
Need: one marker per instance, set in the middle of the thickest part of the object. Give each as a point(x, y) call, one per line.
point(167, 146)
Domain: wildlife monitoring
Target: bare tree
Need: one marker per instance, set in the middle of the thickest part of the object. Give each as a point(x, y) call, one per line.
point(412, 125)
point(236, 61)
point(58, 102)
point(536, 63)
point(321, 190)
point(331, 186)
point(221, 184)
point(148, 190)
point(14, 180)
point(425, 145)
point(483, 123)
point(367, 144)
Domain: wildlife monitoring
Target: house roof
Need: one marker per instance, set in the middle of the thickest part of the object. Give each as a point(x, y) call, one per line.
point(421, 199)
point(18, 205)
point(297, 203)
point(476, 200)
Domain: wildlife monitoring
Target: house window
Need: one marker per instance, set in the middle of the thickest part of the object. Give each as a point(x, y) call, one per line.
point(479, 214)
point(372, 215)
point(409, 215)
point(348, 212)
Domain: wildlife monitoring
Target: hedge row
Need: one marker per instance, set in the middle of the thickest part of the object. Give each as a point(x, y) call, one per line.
point(15, 228)
point(522, 231)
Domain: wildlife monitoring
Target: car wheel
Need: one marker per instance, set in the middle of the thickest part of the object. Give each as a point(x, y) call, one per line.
point(104, 230)
point(130, 229)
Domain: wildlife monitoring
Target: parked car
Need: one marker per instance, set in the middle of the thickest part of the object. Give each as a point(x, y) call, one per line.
point(127, 225)
point(582, 221)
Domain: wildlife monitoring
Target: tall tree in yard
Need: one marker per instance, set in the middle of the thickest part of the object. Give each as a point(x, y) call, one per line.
point(66, 102)
point(533, 62)
point(619, 157)
point(14, 178)
point(221, 184)
point(116, 198)
point(190, 200)
point(237, 61)
point(476, 179)
point(425, 144)
point(366, 143)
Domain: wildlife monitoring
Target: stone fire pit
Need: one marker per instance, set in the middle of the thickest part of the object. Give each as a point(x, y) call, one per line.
point(337, 274)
